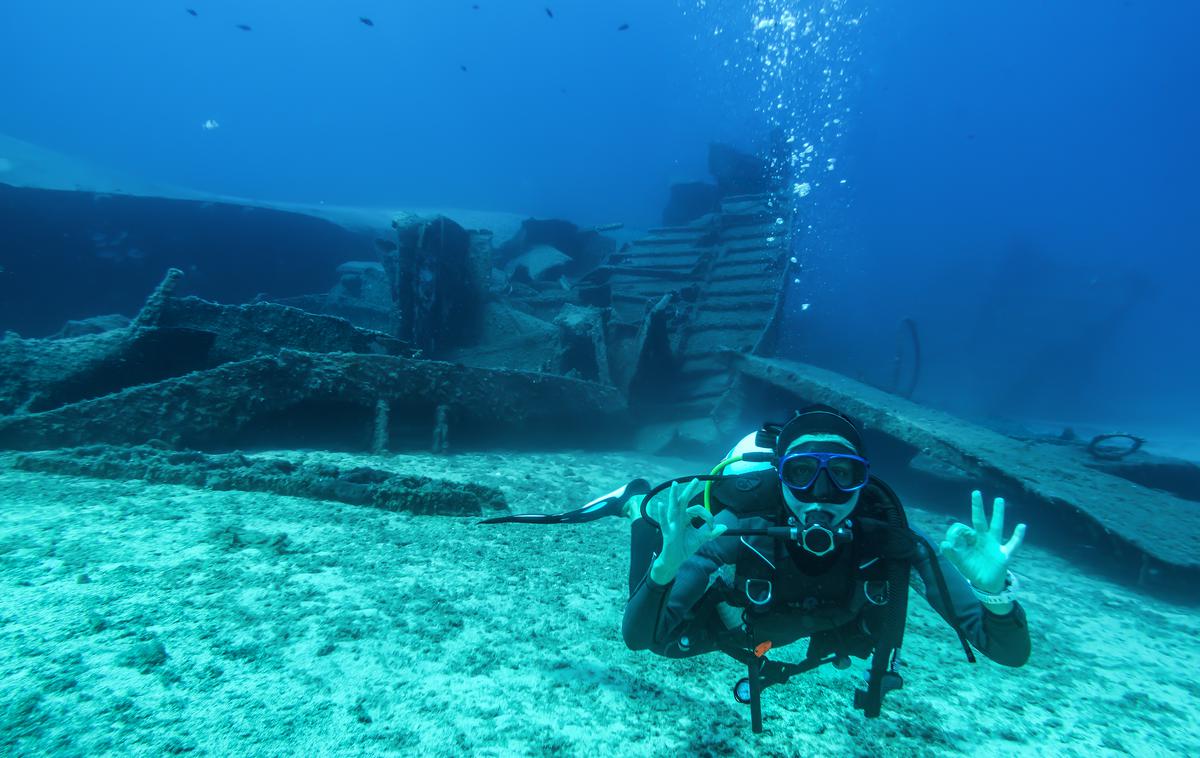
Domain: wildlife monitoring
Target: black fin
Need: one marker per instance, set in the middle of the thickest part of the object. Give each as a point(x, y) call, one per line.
point(611, 506)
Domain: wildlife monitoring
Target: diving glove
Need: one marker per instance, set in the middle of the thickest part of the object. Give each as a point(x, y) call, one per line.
point(977, 551)
point(680, 539)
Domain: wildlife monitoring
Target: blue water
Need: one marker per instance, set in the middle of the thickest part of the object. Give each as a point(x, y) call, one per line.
point(1016, 177)
point(1022, 184)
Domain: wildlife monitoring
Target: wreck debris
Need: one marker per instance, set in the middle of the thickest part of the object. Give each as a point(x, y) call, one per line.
point(244, 331)
point(209, 375)
point(171, 337)
point(651, 356)
point(649, 318)
point(435, 297)
point(92, 325)
point(1130, 460)
point(538, 264)
point(509, 338)
point(1131, 520)
point(151, 312)
point(1174, 475)
point(547, 248)
point(479, 263)
point(441, 430)
point(39, 374)
point(582, 347)
point(361, 295)
point(1101, 446)
point(724, 279)
point(379, 440)
point(302, 399)
point(235, 471)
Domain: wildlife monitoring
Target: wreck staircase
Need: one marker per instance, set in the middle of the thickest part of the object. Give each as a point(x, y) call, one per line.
point(720, 281)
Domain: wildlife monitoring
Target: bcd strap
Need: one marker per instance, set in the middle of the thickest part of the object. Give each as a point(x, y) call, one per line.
point(883, 677)
point(944, 591)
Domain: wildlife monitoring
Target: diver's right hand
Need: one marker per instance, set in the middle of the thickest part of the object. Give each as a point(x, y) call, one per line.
point(680, 539)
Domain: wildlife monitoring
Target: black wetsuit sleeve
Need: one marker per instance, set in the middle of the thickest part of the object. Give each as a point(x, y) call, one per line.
point(1002, 638)
point(655, 612)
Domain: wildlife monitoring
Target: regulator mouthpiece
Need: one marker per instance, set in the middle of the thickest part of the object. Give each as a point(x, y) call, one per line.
point(819, 537)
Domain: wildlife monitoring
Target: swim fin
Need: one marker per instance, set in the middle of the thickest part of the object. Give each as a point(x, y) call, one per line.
point(612, 504)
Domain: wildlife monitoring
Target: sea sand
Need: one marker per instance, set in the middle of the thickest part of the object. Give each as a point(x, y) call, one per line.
point(142, 619)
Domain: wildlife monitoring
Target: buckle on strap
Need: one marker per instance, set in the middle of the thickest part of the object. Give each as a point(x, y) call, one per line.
point(762, 597)
point(877, 592)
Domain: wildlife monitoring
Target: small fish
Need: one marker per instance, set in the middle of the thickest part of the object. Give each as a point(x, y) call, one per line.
point(210, 124)
point(245, 27)
point(366, 21)
point(550, 13)
point(475, 7)
point(191, 12)
point(623, 27)
point(462, 69)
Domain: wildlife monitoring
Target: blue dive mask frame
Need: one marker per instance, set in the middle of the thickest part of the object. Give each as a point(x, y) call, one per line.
point(823, 460)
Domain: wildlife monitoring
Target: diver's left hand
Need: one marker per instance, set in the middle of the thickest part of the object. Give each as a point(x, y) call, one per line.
point(978, 552)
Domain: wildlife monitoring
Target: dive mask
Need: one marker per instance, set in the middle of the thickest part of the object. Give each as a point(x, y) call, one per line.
point(799, 471)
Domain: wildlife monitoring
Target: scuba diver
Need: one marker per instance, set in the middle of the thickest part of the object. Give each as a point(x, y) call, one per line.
point(791, 537)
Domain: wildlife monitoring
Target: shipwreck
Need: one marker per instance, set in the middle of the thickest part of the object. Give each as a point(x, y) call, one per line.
point(375, 331)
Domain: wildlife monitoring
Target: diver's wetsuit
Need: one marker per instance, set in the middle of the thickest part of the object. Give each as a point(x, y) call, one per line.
point(679, 619)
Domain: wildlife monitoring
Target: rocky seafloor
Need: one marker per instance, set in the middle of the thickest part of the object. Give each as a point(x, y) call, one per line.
point(143, 619)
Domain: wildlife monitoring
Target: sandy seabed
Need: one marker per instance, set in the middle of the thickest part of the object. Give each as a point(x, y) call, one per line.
point(142, 619)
